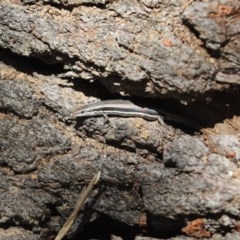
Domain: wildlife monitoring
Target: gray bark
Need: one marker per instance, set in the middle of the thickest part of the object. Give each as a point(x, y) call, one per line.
point(157, 181)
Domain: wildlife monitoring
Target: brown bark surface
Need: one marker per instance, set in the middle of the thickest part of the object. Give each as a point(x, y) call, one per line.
point(157, 181)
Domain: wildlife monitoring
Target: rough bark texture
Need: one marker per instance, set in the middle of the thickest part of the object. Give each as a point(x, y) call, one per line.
point(157, 181)
point(142, 48)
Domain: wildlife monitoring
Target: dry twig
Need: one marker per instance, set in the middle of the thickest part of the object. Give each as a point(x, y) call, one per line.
point(83, 196)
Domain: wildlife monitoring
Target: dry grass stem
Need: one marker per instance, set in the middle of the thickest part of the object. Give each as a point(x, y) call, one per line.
point(83, 196)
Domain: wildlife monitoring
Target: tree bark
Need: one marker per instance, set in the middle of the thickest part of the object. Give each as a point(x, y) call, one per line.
point(157, 181)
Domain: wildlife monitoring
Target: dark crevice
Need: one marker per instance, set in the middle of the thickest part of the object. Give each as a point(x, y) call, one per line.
point(91, 5)
point(166, 227)
point(203, 112)
point(231, 70)
point(65, 5)
point(16, 221)
point(71, 6)
point(94, 88)
point(103, 227)
point(214, 53)
point(29, 65)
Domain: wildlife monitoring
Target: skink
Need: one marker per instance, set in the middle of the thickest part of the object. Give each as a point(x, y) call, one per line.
point(125, 108)
point(120, 108)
